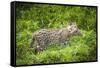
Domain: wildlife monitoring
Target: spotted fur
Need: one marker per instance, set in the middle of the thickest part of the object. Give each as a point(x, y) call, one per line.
point(45, 37)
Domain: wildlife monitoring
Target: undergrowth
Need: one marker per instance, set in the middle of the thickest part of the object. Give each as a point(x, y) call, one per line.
point(32, 17)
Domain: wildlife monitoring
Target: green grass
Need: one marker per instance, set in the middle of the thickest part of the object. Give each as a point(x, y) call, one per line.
point(78, 50)
point(32, 17)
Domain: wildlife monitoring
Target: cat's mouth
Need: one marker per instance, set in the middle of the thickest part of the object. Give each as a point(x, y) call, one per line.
point(79, 33)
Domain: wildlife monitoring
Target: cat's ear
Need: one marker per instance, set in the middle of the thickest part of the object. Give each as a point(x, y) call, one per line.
point(72, 23)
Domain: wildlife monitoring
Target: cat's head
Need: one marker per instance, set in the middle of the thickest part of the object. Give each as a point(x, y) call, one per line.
point(73, 29)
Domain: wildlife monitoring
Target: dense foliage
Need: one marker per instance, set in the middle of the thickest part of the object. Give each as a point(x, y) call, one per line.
point(32, 17)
